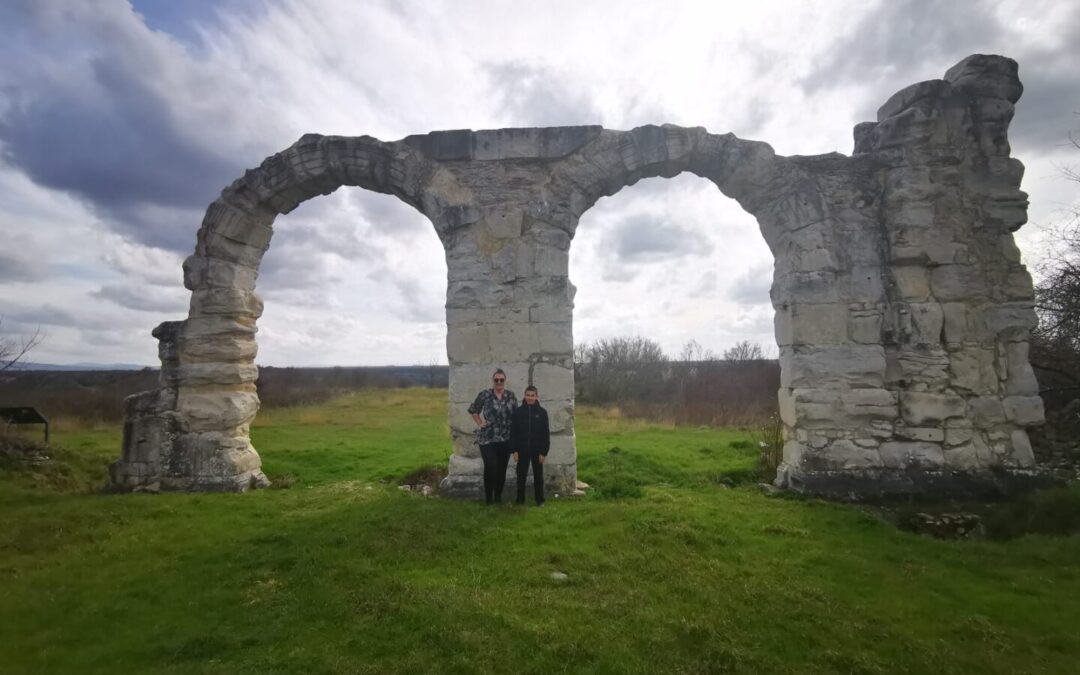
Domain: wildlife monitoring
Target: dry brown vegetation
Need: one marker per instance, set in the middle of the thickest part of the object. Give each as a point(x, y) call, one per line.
point(738, 389)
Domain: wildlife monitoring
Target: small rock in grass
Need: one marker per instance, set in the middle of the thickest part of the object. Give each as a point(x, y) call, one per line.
point(559, 576)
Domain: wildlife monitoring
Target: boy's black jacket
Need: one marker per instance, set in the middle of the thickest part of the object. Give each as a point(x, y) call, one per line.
point(529, 430)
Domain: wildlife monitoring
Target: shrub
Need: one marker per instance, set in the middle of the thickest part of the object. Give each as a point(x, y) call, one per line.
point(769, 438)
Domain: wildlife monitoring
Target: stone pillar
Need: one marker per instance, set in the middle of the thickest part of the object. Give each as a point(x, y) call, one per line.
point(509, 305)
point(198, 423)
point(939, 395)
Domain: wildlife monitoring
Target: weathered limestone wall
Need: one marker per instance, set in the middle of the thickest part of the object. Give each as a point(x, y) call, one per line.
point(917, 379)
point(902, 310)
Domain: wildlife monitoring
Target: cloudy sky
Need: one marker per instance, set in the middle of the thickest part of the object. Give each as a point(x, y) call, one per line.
point(120, 122)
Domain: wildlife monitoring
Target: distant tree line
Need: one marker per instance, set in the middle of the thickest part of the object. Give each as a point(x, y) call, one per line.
point(697, 387)
point(98, 395)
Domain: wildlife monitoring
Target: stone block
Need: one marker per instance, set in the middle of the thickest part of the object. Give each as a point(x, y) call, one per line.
point(904, 98)
point(527, 143)
point(912, 283)
point(464, 445)
point(226, 301)
point(843, 454)
point(1020, 379)
point(1018, 284)
point(863, 284)
point(554, 382)
point(971, 368)
point(958, 436)
point(919, 367)
point(864, 325)
point(1011, 321)
point(213, 245)
point(214, 327)
point(804, 287)
point(951, 283)
point(811, 324)
point(870, 403)
point(955, 315)
point(552, 313)
point(1022, 453)
point(560, 414)
point(913, 454)
point(814, 260)
point(213, 373)
point(555, 338)
point(478, 294)
point(926, 322)
point(227, 348)
point(216, 410)
point(232, 223)
point(513, 341)
point(963, 457)
point(987, 76)
point(1024, 410)
point(814, 405)
point(466, 466)
point(925, 408)
point(552, 262)
point(562, 450)
point(503, 224)
point(832, 366)
point(985, 411)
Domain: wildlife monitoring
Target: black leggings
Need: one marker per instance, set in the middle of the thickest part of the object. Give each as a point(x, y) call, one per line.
point(496, 458)
point(523, 474)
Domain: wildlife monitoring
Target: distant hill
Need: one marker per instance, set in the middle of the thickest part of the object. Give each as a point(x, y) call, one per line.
point(30, 365)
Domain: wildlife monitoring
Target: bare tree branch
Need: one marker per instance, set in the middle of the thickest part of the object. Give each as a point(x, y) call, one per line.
point(12, 350)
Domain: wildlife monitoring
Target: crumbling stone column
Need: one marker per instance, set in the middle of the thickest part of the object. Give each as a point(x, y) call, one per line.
point(938, 390)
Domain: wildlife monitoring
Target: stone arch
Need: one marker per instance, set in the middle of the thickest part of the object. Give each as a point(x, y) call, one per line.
point(902, 309)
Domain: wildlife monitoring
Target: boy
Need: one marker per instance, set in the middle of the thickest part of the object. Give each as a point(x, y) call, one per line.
point(530, 440)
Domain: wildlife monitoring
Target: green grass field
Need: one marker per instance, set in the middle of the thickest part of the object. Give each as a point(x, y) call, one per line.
point(344, 573)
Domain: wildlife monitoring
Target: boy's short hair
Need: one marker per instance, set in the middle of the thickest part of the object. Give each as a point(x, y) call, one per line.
point(531, 388)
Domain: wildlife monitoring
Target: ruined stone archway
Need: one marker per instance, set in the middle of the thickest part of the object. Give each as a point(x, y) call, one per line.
point(902, 309)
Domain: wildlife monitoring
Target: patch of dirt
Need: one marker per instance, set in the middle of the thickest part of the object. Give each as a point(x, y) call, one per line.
point(430, 476)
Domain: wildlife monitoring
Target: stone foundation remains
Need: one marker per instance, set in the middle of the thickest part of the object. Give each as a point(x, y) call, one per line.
point(903, 311)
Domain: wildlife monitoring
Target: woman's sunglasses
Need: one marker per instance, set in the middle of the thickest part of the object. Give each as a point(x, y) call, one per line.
point(500, 379)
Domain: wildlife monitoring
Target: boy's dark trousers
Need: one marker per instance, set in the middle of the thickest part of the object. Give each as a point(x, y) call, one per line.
point(538, 477)
point(496, 458)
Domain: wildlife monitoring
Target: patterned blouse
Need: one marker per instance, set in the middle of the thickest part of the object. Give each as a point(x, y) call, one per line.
point(496, 412)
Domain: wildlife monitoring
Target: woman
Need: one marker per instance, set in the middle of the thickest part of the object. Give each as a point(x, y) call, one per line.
point(493, 435)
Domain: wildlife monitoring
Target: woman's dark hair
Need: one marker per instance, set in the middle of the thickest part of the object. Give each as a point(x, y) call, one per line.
point(498, 371)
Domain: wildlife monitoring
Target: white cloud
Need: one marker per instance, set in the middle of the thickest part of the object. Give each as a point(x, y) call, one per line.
point(115, 136)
